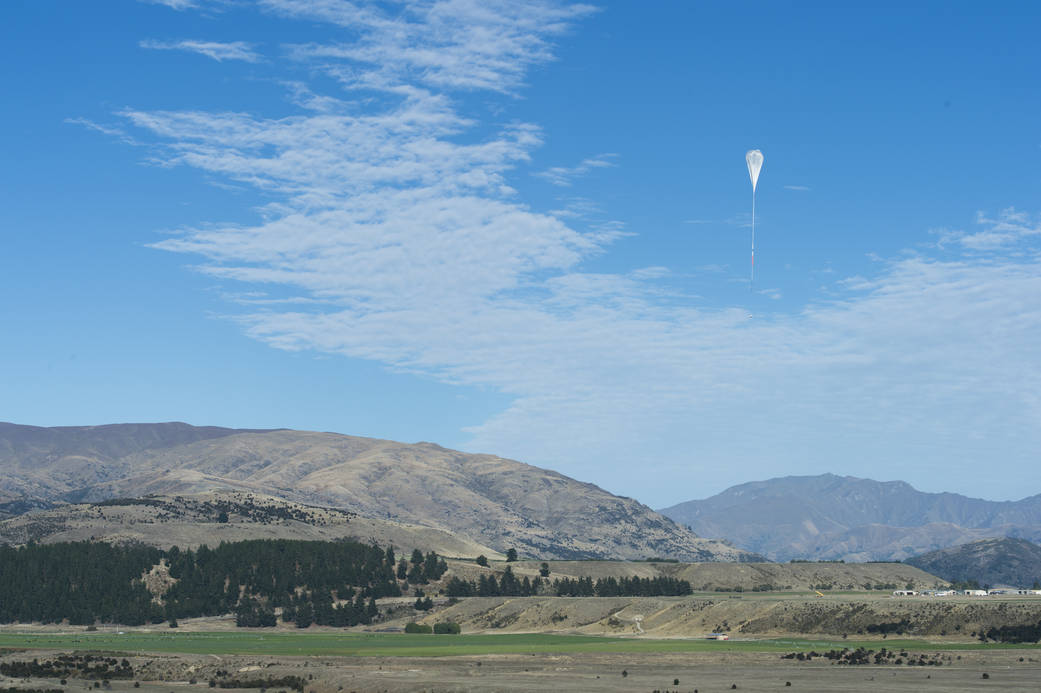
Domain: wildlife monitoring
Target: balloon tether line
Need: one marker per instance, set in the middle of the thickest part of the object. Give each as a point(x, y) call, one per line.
point(754, 159)
point(751, 282)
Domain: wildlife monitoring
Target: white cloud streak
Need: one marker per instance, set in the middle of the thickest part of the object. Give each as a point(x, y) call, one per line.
point(234, 50)
point(402, 242)
point(103, 129)
point(175, 4)
point(564, 176)
point(444, 44)
point(1006, 231)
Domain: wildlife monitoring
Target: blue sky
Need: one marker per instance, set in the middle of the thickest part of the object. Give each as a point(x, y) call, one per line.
point(523, 228)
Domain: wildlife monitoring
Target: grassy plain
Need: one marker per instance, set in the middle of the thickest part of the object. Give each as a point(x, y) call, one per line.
point(406, 645)
point(335, 662)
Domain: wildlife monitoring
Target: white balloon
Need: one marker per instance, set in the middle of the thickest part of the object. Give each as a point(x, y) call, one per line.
point(754, 159)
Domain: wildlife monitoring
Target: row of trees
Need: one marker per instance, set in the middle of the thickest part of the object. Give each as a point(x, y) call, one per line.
point(330, 583)
point(510, 586)
point(487, 586)
point(420, 569)
point(446, 628)
point(622, 587)
point(320, 609)
point(1015, 634)
point(83, 582)
point(327, 583)
point(277, 573)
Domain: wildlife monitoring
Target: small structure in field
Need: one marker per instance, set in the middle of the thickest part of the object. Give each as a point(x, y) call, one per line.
point(904, 593)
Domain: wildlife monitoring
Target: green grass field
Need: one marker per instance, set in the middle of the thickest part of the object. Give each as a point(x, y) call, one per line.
point(403, 645)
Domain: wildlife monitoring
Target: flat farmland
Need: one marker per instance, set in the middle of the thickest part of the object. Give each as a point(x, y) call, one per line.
point(594, 646)
point(396, 663)
point(343, 644)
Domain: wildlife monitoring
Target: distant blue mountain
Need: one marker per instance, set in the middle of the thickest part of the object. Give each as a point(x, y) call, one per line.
point(842, 517)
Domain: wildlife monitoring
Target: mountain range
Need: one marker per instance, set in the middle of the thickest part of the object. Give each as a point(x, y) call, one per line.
point(1012, 562)
point(483, 500)
point(463, 502)
point(829, 517)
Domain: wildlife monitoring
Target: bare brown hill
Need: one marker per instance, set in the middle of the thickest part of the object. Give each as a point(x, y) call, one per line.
point(42, 463)
point(745, 577)
point(859, 610)
point(485, 499)
point(210, 518)
point(763, 615)
point(1014, 562)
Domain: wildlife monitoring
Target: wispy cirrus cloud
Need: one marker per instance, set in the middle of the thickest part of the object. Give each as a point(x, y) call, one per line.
point(234, 50)
point(797, 188)
point(564, 176)
point(577, 208)
point(175, 4)
point(397, 237)
point(1005, 231)
point(117, 132)
point(449, 44)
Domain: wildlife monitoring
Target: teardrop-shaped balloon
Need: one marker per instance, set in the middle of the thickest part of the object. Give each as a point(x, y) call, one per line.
point(754, 159)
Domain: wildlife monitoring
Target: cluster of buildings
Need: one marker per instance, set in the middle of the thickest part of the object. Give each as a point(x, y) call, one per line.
point(970, 593)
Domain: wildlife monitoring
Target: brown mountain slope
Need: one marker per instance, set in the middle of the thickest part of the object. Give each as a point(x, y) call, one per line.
point(749, 577)
point(40, 463)
point(188, 521)
point(1005, 561)
point(750, 617)
point(489, 500)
